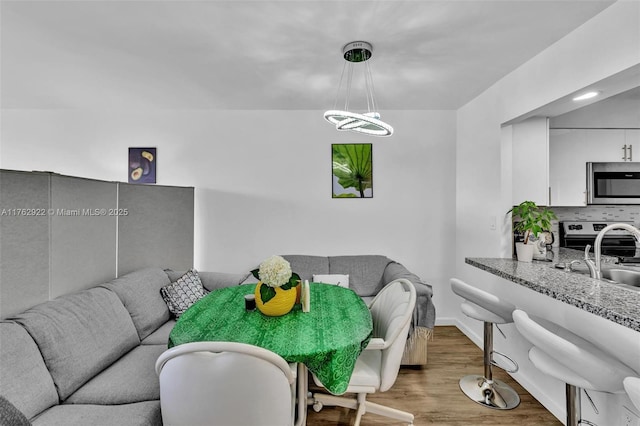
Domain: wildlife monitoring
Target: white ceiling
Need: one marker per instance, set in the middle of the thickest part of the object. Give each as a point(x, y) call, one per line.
point(267, 54)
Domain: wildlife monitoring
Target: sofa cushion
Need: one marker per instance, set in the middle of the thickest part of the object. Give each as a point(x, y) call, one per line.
point(180, 295)
point(139, 292)
point(139, 414)
point(10, 415)
point(24, 379)
point(161, 335)
point(212, 280)
point(132, 378)
point(79, 335)
point(306, 266)
point(365, 272)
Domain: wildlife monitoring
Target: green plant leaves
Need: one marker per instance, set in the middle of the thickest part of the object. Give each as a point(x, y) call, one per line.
point(533, 219)
point(352, 166)
point(267, 293)
point(293, 281)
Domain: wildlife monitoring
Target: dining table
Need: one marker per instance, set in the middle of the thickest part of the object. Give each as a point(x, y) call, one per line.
point(327, 340)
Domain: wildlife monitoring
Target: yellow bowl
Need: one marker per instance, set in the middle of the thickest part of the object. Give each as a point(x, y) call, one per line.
point(281, 303)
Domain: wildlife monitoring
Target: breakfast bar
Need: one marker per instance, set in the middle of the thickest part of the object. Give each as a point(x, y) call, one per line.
point(615, 302)
point(604, 313)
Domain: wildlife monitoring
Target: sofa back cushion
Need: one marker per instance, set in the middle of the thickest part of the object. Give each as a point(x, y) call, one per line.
point(306, 266)
point(79, 335)
point(139, 292)
point(212, 280)
point(24, 379)
point(365, 272)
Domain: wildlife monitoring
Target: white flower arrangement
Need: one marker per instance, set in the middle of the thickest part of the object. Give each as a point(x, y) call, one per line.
point(275, 271)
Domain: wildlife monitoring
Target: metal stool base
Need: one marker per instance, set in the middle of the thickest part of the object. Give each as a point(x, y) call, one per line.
point(496, 394)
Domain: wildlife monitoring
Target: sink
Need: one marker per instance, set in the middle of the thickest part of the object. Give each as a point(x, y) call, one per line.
point(626, 277)
point(622, 276)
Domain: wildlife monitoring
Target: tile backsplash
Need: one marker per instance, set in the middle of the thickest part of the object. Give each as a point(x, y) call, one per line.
point(609, 213)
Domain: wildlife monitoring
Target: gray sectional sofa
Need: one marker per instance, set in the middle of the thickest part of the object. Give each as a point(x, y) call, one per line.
point(88, 358)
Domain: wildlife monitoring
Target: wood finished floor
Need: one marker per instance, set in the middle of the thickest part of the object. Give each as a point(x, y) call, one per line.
point(433, 396)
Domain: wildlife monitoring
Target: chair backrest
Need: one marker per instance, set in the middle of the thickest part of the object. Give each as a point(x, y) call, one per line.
point(482, 305)
point(224, 383)
point(632, 387)
point(600, 371)
point(391, 311)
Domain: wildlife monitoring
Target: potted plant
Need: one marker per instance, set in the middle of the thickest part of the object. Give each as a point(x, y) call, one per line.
point(533, 220)
point(276, 291)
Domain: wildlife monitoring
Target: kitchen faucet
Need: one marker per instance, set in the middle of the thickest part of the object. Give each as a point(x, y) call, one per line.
point(594, 268)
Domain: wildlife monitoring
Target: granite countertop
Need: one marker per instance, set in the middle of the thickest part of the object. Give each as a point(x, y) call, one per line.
point(614, 302)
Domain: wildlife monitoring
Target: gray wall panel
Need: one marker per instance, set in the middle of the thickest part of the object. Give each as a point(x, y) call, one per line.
point(83, 233)
point(158, 231)
point(24, 241)
point(76, 233)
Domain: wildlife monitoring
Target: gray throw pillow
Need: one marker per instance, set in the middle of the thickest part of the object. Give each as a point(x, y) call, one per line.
point(180, 295)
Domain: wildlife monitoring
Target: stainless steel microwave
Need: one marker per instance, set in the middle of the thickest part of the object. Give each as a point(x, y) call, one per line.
point(613, 183)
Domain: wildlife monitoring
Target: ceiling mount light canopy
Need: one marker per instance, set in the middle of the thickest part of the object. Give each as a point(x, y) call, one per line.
point(358, 52)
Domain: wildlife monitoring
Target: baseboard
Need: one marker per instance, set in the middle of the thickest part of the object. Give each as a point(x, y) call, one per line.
point(473, 336)
point(559, 411)
point(446, 321)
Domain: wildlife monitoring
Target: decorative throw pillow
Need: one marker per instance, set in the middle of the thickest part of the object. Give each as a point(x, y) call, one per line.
point(180, 295)
point(337, 279)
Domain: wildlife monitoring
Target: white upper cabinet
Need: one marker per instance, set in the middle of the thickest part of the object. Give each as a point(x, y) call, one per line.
point(530, 153)
point(569, 152)
point(632, 138)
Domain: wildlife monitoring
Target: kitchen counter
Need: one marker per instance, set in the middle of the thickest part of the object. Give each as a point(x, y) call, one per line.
point(605, 299)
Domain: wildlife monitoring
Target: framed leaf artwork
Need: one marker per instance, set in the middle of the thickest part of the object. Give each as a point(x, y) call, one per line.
point(352, 170)
point(142, 165)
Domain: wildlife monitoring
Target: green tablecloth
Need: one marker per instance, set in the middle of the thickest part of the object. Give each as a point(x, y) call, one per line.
point(328, 339)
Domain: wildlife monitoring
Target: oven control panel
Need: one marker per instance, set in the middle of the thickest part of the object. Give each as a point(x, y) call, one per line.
point(588, 228)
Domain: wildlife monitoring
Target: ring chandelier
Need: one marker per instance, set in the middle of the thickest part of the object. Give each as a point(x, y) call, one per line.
point(369, 122)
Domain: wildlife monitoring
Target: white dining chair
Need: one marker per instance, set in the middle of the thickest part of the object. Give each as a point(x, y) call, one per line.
point(377, 367)
point(225, 383)
point(632, 387)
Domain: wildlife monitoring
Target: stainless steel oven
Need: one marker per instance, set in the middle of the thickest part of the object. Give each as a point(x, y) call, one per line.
point(613, 183)
point(617, 242)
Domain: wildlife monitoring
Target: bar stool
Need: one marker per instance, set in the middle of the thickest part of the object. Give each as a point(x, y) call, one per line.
point(486, 307)
point(632, 386)
point(559, 353)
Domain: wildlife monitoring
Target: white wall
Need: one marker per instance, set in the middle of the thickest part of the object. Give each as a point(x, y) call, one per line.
point(607, 44)
point(619, 111)
point(263, 179)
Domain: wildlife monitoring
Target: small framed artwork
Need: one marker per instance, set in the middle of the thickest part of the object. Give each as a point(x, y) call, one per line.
point(142, 165)
point(352, 170)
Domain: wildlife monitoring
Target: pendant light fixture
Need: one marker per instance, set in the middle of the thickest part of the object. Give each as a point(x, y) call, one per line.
point(356, 55)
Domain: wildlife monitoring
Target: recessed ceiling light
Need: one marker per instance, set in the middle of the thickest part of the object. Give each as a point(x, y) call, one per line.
point(587, 95)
